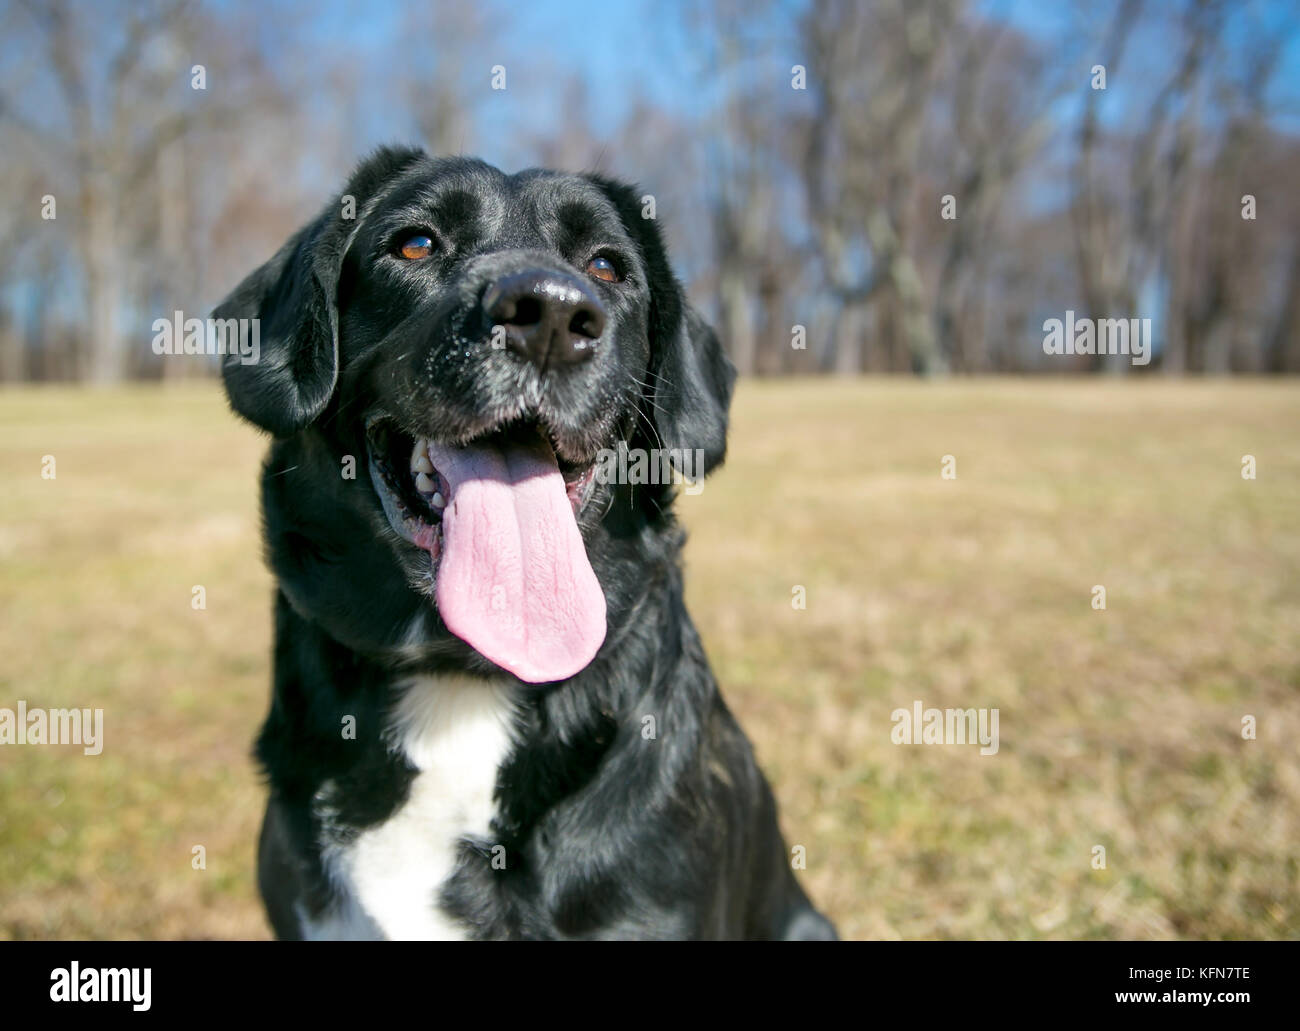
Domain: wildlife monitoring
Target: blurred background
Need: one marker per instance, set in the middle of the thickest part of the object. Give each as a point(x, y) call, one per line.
point(818, 206)
point(821, 207)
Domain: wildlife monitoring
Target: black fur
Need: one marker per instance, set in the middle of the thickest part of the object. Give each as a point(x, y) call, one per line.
point(607, 834)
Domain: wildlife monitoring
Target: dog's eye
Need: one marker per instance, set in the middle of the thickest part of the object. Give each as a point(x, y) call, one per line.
point(603, 269)
point(416, 247)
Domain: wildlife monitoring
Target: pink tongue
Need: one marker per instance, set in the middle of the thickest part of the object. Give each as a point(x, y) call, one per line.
point(514, 581)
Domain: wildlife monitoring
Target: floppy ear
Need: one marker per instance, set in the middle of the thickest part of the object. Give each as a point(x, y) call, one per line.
point(690, 376)
point(294, 297)
point(693, 379)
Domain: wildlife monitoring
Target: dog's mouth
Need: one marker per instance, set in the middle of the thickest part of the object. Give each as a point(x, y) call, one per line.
point(498, 517)
point(414, 492)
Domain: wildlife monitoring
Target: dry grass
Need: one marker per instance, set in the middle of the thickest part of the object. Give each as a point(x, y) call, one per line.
point(1118, 728)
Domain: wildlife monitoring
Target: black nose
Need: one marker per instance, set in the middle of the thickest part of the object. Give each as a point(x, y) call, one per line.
point(549, 318)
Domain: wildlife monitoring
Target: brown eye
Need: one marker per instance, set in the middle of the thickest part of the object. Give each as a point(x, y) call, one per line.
point(417, 247)
point(604, 270)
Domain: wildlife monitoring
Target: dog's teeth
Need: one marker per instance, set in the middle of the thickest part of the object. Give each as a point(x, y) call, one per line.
point(418, 452)
point(438, 501)
point(422, 465)
point(424, 484)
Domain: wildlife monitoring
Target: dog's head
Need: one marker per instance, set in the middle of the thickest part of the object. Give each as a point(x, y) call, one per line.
point(481, 344)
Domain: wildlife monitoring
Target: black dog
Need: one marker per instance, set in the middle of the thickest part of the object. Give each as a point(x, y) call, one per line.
point(492, 716)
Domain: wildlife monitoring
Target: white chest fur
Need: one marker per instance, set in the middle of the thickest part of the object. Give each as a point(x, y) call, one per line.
point(456, 732)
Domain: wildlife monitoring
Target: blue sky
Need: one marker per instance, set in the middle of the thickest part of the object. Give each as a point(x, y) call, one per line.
point(627, 49)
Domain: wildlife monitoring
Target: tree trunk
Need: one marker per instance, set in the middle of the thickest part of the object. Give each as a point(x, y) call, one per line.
point(737, 321)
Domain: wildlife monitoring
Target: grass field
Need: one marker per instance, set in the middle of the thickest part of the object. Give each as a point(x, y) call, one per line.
point(1119, 728)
